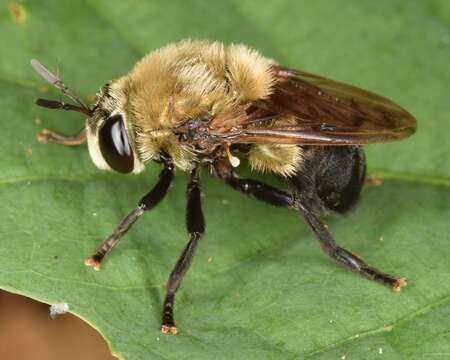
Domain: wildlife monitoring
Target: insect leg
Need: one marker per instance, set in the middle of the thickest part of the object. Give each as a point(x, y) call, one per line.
point(48, 135)
point(281, 198)
point(345, 257)
point(195, 226)
point(148, 202)
point(255, 188)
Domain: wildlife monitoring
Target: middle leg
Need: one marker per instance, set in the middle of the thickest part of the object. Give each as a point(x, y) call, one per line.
point(196, 227)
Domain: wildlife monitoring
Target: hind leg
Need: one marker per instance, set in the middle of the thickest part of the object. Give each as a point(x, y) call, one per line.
point(253, 188)
point(345, 257)
point(282, 198)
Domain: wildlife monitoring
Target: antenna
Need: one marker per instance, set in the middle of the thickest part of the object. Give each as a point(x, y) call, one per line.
point(57, 83)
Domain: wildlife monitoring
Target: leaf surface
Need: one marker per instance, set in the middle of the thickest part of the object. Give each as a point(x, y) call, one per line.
point(259, 287)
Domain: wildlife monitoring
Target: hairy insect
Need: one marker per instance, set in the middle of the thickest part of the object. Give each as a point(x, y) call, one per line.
point(201, 103)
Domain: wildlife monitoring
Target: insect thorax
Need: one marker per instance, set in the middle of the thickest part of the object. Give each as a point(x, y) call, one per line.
point(191, 81)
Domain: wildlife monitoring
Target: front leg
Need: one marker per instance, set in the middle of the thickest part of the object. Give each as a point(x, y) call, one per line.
point(195, 223)
point(48, 135)
point(148, 202)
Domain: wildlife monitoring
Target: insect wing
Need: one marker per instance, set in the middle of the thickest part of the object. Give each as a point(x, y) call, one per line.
point(324, 112)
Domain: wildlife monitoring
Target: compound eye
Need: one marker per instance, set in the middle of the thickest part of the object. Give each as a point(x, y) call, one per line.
point(115, 146)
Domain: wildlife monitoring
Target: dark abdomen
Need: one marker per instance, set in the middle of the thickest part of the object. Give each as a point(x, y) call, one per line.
point(331, 177)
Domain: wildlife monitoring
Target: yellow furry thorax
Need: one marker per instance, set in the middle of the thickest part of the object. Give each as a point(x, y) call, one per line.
point(189, 79)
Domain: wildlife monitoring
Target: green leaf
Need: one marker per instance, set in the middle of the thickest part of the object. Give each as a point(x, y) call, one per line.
point(259, 286)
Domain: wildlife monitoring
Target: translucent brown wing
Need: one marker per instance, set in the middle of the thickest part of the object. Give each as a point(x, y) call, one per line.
point(321, 112)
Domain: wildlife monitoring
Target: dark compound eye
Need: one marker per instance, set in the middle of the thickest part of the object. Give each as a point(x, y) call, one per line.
point(114, 145)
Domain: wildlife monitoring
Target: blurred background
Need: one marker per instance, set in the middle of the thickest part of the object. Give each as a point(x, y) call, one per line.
point(56, 206)
point(28, 332)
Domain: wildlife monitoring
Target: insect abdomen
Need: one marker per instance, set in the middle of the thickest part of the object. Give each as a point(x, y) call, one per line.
point(332, 177)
